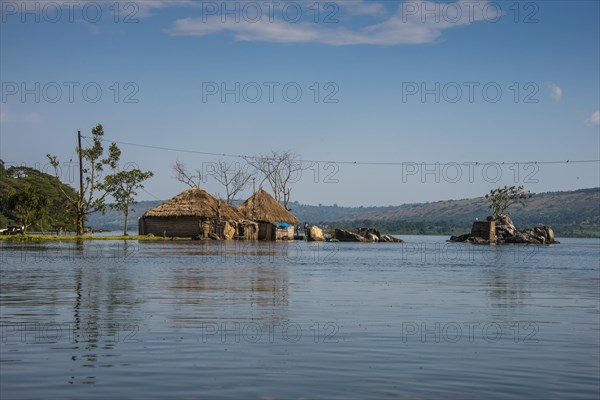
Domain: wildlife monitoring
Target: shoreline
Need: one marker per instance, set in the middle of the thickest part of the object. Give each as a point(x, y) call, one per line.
point(73, 238)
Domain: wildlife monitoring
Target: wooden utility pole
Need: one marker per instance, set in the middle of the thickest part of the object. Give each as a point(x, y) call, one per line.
point(80, 215)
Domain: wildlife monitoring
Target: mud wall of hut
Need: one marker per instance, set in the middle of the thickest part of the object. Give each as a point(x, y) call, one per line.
point(285, 233)
point(266, 231)
point(170, 226)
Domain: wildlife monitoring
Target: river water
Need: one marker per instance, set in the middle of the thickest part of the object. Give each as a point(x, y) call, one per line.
point(195, 320)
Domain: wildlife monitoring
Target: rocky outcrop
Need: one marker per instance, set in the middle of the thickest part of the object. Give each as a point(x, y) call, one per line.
point(363, 235)
point(315, 234)
point(537, 235)
point(506, 232)
point(504, 226)
point(343, 235)
point(389, 239)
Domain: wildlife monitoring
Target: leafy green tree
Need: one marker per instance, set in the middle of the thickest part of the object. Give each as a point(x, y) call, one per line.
point(28, 205)
point(91, 196)
point(60, 213)
point(122, 186)
point(502, 198)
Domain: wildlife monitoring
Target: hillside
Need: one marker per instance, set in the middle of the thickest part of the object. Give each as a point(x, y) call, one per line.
point(15, 178)
point(574, 213)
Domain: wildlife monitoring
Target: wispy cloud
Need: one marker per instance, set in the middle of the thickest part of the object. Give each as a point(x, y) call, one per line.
point(594, 119)
point(405, 26)
point(5, 116)
point(361, 7)
point(147, 8)
point(127, 9)
point(555, 91)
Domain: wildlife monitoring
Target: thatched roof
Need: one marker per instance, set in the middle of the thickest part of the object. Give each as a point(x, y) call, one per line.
point(261, 206)
point(194, 202)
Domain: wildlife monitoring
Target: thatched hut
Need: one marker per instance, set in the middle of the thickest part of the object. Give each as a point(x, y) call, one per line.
point(193, 213)
point(274, 221)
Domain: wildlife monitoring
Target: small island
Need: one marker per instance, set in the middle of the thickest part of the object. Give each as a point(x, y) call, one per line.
point(498, 228)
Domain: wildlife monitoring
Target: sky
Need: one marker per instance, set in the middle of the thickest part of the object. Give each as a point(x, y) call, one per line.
point(385, 102)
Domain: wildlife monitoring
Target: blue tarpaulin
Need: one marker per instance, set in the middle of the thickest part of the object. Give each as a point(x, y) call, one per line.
point(283, 225)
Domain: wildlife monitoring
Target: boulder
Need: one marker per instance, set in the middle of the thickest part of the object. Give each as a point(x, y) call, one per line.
point(461, 238)
point(504, 226)
point(539, 235)
point(368, 233)
point(346, 236)
point(315, 234)
point(362, 235)
point(389, 239)
point(371, 237)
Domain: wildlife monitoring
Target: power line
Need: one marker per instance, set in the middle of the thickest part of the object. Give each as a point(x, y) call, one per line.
point(346, 162)
point(148, 193)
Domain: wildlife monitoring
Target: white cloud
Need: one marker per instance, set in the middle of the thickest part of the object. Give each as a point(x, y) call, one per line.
point(405, 26)
point(361, 7)
point(555, 91)
point(145, 8)
point(5, 116)
point(594, 119)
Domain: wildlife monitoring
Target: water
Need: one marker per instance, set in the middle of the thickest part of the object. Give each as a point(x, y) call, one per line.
point(195, 320)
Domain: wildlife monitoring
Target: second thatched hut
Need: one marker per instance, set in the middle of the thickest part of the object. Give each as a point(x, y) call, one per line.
point(274, 221)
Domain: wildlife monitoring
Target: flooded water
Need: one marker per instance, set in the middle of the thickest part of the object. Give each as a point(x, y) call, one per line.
point(196, 320)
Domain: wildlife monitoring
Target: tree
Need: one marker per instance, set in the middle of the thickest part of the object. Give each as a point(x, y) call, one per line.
point(94, 189)
point(280, 169)
point(502, 198)
point(60, 213)
point(232, 177)
point(192, 179)
point(122, 186)
point(28, 205)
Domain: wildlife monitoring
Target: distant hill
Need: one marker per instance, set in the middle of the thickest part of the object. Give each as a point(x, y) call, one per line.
point(574, 213)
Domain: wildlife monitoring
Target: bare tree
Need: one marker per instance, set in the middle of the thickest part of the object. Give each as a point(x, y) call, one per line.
point(192, 179)
point(280, 170)
point(233, 178)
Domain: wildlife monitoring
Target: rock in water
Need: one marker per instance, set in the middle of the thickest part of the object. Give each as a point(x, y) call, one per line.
point(504, 227)
point(390, 239)
point(347, 236)
point(315, 234)
point(363, 235)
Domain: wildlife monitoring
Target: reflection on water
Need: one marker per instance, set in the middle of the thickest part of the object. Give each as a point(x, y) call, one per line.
point(507, 289)
point(285, 320)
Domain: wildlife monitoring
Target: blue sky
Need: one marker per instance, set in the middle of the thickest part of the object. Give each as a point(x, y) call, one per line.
point(394, 82)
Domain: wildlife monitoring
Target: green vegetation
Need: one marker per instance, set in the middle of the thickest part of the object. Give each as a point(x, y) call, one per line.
point(23, 184)
point(502, 198)
point(123, 186)
point(28, 204)
point(93, 190)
